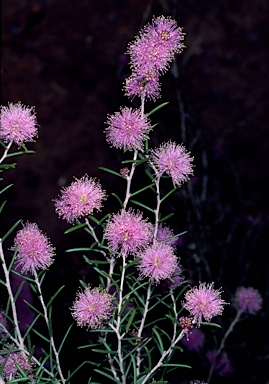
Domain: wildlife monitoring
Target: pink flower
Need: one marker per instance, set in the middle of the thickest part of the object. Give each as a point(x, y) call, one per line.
point(158, 262)
point(175, 280)
point(203, 301)
point(7, 363)
point(92, 307)
point(194, 340)
point(127, 232)
point(223, 365)
point(174, 160)
point(145, 85)
point(80, 199)
point(163, 234)
point(34, 249)
point(17, 124)
point(156, 45)
point(248, 300)
point(127, 129)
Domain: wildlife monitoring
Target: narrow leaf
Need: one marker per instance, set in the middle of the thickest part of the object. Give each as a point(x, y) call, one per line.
point(157, 108)
point(142, 205)
point(110, 171)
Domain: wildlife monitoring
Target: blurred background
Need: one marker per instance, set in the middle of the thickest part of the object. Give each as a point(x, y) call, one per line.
point(67, 58)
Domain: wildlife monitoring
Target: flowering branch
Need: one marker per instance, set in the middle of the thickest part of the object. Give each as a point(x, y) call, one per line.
point(34, 359)
point(140, 330)
point(116, 328)
point(164, 355)
point(13, 305)
point(48, 325)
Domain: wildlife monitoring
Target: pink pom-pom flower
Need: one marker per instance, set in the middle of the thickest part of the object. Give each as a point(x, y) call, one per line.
point(174, 160)
point(18, 124)
point(34, 249)
point(127, 232)
point(248, 300)
point(157, 262)
point(203, 302)
point(127, 129)
point(92, 307)
point(80, 199)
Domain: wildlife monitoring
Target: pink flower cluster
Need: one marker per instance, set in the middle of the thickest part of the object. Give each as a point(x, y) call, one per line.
point(17, 124)
point(34, 249)
point(80, 199)
point(174, 160)
point(7, 364)
point(203, 302)
point(92, 307)
point(127, 129)
point(150, 54)
point(127, 232)
point(248, 300)
point(165, 235)
point(157, 262)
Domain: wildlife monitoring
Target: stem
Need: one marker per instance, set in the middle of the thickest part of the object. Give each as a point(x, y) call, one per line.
point(48, 325)
point(175, 312)
point(222, 344)
point(10, 293)
point(130, 177)
point(129, 181)
point(6, 151)
point(116, 328)
point(139, 333)
point(157, 210)
point(166, 353)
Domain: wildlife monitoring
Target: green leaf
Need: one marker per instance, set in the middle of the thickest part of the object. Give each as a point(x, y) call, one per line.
point(110, 171)
point(133, 290)
point(6, 188)
point(105, 274)
point(55, 294)
point(72, 229)
point(149, 358)
point(142, 205)
point(7, 166)
point(94, 261)
point(166, 217)
point(177, 365)
point(104, 351)
point(64, 338)
point(107, 375)
point(78, 250)
point(142, 189)
point(10, 230)
point(2, 205)
point(134, 369)
point(168, 194)
point(118, 198)
point(130, 319)
point(147, 172)
point(211, 325)
point(159, 340)
point(157, 108)
point(40, 335)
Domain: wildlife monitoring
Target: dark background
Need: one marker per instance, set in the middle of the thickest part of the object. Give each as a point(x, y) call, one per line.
point(67, 59)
